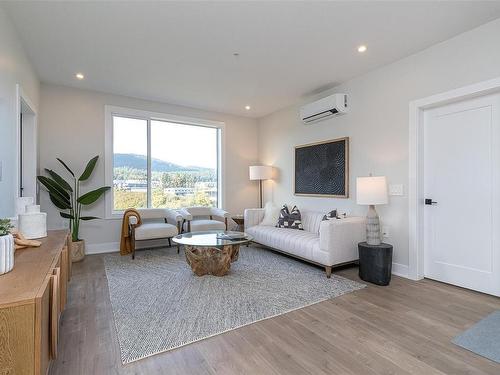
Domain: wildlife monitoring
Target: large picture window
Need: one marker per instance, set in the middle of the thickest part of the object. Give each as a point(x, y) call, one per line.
point(162, 161)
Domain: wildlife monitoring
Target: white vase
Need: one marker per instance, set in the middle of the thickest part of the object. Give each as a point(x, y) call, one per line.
point(33, 223)
point(6, 253)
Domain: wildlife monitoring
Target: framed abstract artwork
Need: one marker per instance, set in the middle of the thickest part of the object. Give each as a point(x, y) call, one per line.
point(322, 169)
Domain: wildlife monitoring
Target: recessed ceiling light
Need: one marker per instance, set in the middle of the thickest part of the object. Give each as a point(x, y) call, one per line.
point(362, 49)
point(247, 107)
point(79, 76)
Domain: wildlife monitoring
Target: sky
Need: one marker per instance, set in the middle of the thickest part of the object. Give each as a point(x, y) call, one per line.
point(184, 145)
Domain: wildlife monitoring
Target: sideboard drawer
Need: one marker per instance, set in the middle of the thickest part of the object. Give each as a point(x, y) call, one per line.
point(42, 327)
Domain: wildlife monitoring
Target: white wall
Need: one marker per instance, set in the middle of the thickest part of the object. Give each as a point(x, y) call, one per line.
point(378, 123)
point(71, 127)
point(14, 69)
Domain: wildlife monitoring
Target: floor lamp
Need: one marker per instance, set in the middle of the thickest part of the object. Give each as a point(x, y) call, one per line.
point(261, 172)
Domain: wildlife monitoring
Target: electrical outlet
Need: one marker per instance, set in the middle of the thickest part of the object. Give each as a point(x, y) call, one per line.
point(385, 231)
point(396, 189)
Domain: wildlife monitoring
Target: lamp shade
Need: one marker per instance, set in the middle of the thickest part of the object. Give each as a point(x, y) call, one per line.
point(371, 190)
point(261, 172)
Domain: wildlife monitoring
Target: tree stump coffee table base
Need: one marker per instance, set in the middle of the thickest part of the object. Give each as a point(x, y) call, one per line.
point(207, 260)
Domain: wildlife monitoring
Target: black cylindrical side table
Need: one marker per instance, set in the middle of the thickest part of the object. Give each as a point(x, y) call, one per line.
point(375, 263)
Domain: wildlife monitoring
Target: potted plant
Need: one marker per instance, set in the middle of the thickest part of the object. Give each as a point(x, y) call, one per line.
point(66, 196)
point(6, 247)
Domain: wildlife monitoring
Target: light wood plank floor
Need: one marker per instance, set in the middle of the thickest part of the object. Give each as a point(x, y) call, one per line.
point(404, 328)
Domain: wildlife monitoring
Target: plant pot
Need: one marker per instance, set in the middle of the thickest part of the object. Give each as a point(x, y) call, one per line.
point(6, 253)
point(77, 251)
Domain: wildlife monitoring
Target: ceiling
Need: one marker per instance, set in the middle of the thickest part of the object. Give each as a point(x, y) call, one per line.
point(182, 52)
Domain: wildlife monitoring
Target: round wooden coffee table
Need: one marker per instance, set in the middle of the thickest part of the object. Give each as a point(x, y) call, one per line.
point(212, 252)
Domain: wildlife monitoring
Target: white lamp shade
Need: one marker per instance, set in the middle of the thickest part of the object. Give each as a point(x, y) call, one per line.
point(371, 190)
point(261, 172)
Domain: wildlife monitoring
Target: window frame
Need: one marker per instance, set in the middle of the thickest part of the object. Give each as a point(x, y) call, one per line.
point(111, 110)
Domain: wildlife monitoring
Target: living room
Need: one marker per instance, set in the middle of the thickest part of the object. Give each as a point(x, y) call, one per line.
point(249, 187)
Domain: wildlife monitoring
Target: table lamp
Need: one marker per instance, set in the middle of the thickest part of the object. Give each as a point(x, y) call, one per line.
point(260, 172)
point(370, 191)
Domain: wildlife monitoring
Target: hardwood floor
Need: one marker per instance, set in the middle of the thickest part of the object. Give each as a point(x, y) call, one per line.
point(404, 328)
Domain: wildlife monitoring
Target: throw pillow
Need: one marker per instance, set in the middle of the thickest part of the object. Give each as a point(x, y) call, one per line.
point(290, 219)
point(332, 215)
point(271, 215)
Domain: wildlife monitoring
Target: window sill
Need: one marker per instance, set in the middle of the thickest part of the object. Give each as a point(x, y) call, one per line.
point(114, 216)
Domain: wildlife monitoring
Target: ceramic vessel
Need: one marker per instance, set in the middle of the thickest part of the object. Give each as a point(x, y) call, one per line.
point(33, 223)
point(6, 253)
point(21, 203)
point(77, 250)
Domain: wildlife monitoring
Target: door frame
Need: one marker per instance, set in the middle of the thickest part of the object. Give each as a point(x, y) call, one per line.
point(416, 164)
point(30, 120)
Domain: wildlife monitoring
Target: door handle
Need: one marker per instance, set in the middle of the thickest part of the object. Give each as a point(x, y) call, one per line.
point(429, 202)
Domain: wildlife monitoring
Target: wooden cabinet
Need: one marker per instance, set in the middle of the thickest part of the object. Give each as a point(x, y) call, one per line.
point(32, 298)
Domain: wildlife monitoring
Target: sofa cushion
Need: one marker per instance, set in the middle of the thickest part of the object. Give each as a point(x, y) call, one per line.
point(311, 221)
point(271, 214)
point(290, 219)
point(204, 225)
point(332, 215)
point(296, 242)
point(149, 231)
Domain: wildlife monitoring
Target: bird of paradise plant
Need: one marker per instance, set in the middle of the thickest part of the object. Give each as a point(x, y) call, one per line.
point(66, 196)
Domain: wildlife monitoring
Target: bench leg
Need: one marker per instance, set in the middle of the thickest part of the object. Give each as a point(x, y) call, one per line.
point(328, 270)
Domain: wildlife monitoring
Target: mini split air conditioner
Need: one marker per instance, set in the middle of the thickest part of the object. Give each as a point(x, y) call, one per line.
point(332, 105)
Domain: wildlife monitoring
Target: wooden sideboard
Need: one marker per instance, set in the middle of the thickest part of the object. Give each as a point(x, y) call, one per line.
point(32, 298)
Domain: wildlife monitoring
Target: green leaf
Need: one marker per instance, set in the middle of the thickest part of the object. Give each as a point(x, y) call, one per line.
point(86, 218)
point(59, 180)
point(65, 166)
point(54, 188)
point(66, 216)
point(62, 205)
point(89, 168)
point(92, 196)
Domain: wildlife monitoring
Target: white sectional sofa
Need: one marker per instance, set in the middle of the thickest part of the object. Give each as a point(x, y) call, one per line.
point(327, 243)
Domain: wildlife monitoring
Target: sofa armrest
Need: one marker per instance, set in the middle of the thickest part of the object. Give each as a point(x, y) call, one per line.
point(173, 216)
point(185, 214)
point(219, 212)
point(253, 216)
point(340, 238)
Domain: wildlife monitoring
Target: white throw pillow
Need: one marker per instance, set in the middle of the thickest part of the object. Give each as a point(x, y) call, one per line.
point(271, 214)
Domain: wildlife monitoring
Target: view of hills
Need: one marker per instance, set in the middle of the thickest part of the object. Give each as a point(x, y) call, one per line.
point(139, 162)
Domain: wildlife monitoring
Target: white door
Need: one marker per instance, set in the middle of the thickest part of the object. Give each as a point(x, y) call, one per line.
point(462, 194)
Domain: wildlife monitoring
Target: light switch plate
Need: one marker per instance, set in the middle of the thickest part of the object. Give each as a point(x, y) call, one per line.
point(396, 189)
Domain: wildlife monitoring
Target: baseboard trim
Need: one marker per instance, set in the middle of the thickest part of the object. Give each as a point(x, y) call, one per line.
point(113, 247)
point(102, 248)
point(400, 270)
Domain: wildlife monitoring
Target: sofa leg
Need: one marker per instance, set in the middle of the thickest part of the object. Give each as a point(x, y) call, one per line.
point(169, 243)
point(178, 248)
point(328, 270)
